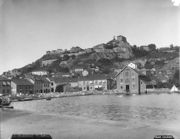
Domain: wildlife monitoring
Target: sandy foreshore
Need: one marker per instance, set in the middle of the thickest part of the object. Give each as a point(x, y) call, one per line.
point(67, 127)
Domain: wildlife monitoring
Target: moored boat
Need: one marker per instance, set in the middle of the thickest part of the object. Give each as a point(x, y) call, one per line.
point(25, 99)
point(5, 101)
point(49, 98)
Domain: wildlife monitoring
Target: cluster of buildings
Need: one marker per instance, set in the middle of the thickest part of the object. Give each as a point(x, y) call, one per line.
point(128, 79)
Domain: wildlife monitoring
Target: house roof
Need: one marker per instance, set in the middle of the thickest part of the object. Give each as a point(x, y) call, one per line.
point(63, 80)
point(138, 72)
point(21, 81)
point(3, 78)
point(40, 79)
point(94, 77)
point(43, 80)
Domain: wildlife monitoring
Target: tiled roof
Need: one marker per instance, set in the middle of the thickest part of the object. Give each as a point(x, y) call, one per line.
point(21, 81)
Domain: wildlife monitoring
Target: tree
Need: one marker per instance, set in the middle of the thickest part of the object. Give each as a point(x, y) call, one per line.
point(66, 57)
point(152, 47)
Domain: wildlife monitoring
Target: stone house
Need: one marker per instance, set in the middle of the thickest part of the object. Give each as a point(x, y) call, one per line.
point(86, 83)
point(5, 86)
point(64, 84)
point(93, 82)
point(47, 62)
point(41, 85)
point(40, 73)
point(21, 86)
point(130, 80)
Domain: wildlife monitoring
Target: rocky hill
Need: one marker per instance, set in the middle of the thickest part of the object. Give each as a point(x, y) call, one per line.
point(117, 49)
point(107, 57)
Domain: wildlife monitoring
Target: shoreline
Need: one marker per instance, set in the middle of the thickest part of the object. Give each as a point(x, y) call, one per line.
point(74, 94)
point(67, 126)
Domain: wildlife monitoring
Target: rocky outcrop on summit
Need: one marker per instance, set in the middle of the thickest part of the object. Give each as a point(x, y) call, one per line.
point(116, 48)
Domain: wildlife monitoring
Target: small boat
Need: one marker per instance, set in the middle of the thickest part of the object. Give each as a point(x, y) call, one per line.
point(8, 107)
point(5, 101)
point(25, 99)
point(49, 98)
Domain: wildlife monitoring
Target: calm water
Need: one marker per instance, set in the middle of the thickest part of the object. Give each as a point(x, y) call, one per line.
point(149, 109)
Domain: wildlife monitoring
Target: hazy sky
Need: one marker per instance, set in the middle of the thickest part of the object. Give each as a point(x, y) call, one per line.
point(28, 28)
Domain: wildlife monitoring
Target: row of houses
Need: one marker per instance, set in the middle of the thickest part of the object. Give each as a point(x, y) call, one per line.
point(128, 79)
point(52, 84)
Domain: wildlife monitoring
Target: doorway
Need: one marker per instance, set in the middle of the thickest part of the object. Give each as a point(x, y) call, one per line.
point(127, 88)
point(60, 88)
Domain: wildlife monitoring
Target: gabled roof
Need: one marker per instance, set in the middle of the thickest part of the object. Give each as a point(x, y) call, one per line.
point(130, 68)
point(21, 81)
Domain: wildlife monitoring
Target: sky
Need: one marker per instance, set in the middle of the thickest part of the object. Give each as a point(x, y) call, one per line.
point(29, 28)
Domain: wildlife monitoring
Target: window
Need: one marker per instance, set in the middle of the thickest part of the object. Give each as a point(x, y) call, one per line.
point(121, 87)
point(127, 81)
point(52, 84)
point(121, 80)
point(126, 73)
point(4, 83)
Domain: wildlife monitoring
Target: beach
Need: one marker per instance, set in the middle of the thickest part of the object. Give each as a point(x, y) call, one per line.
point(66, 127)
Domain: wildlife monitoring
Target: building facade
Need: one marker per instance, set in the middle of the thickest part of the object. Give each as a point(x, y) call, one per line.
point(129, 81)
point(5, 86)
point(21, 86)
point(42, 85)
point(39, 73)
point(93, 82)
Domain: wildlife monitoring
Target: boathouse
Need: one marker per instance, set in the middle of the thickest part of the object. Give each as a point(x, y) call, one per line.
point(130, 80)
